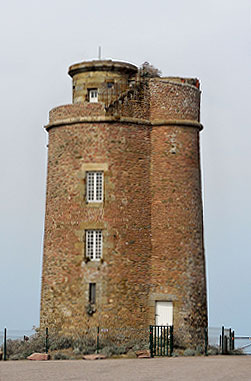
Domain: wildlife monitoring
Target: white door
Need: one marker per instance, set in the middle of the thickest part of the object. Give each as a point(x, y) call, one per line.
point(164, 313)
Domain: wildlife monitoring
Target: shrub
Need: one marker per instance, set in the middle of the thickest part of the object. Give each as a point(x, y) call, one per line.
point(107, 351)
point(140, 346)
point(76, 344)
point(189, 352)
point(149, 71)
point(61, 356)
point(89, 350)
point(18, 356)
point(60, 342)
point(112, 349)
point(199, 350)
point(77, 351)
point(85, 344)
point(18, 349)
point(236, 352)
point(212, 351)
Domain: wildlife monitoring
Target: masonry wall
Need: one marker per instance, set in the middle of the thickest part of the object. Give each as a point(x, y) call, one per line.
point(177, 261)
point(70, 112)
point(174, 100)
point(147, 144)
point(122, 277)
point(134, 103)
point(98, 74)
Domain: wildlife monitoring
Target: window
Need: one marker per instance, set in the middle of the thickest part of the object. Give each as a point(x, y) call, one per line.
point(94, 187)
point(93, 95)
point(93, 244)
point(92, 293)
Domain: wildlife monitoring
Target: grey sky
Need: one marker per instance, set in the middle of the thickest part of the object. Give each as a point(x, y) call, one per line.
point(209, 39)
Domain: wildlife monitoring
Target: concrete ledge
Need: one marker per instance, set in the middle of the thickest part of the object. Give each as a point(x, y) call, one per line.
point(118, 119)
point(161, 297)
point(177, 122)
point(102, 65)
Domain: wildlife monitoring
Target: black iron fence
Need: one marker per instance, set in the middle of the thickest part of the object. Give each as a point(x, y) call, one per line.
point(161, 340)
point(227, 340)
point(157, 340)
point(109, 341)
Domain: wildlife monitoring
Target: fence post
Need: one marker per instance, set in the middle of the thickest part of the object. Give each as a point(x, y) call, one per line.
point(97, 339)
point(167, 342)
point(5, 345)
point(230, 340)
point(161, 341)
point(233, 341)
point(151, 340)
point(171, 340)
point(206, 340)
point(46, 340)
point(222, 339)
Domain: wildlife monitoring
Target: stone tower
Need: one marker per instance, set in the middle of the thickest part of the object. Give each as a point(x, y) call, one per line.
point(123, 243)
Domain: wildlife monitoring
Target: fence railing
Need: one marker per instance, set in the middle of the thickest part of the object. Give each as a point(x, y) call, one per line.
point(227, 340)
point(159, 340)
point(114, 341)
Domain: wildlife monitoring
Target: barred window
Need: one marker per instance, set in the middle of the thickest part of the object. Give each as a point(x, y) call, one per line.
point(94, 244)
point(94, 187)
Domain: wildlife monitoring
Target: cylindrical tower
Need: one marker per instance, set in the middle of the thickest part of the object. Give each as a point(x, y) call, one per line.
point(178, 282)
point(123, 243)
point(97, 232)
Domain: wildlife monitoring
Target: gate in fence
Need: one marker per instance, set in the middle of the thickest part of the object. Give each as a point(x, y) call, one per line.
point(226, 340)
point(161, 340)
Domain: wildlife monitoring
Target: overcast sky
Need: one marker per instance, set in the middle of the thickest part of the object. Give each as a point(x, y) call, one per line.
point(208, 39)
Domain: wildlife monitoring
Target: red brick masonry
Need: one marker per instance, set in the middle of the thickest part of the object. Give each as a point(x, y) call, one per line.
point(147, 144)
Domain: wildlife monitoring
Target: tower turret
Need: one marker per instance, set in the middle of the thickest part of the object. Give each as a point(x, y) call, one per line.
point(94, 81)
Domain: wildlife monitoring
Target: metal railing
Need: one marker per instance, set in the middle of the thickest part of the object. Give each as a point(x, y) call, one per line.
point(161, 340)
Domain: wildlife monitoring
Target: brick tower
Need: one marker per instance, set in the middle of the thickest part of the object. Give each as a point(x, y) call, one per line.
point(123, 243)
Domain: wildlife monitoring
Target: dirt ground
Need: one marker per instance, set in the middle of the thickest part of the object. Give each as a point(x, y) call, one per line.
point(214, 368)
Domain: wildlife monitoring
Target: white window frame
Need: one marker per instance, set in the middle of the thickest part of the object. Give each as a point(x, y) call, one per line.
point(94, 244)
point(94, 190)
point(93, 95)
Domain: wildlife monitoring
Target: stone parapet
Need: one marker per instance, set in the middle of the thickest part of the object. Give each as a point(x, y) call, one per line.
point(174, 100)
point(67, 112)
